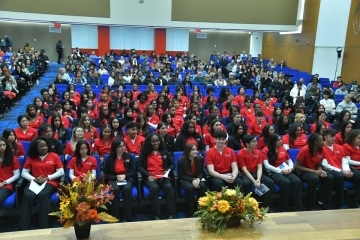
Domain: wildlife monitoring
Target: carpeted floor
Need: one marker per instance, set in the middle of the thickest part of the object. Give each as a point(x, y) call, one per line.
point(10, 119)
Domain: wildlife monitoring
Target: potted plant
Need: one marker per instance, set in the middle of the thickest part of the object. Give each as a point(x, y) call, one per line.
point(219, 210)
point(80, 201)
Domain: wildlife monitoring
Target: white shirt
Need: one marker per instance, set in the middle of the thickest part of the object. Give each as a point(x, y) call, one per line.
point(102, 71)
point(329, 105)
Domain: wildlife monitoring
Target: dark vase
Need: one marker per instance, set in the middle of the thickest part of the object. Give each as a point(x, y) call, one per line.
point(82, 230)
point(233, 222)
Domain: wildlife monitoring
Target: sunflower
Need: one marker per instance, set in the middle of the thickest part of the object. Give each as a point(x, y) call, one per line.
point(203, 201)
point(230, 192)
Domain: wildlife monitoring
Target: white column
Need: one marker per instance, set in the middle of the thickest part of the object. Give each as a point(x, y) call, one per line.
point(330, 34)
point(256, 41)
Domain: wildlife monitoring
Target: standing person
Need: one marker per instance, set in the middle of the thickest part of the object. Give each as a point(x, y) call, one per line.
point(41, 166)
point(190, 169)
point(153, 163)
point(280, 169)
point(59, 50)
point(309, 165)
point(221, 164)
point(9, 170)
point(249, 161)
point(119, 167)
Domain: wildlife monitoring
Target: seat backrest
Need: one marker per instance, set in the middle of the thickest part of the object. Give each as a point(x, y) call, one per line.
point(293, 153)
point(177, 156)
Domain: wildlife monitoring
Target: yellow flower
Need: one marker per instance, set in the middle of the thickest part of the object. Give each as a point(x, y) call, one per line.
point(203, 201)
point(253, 202)
point(223, 206)
point(230, 192)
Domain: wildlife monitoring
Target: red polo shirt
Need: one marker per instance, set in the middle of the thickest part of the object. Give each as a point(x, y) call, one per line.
point(249, 160)
point(268, 111)
point(134, 147)
point(69, 151)
point(36, 123)
point(298, 142)
point(307, 160)
point(256, 129)
point(206, 129)
point(29, 135)
point(20, 151)
point(261, 143)
point(89, 164)
point(91, 135)
point(338, 138)
point(178, 121)
point(249, 114)
point(222, 162)
point(171, 130)
point(6, 172)
point(334, 156)
point(64, 120)
point(93, 114)
point(153, 119)
point(209, 140)
point(313, 127)
point(44, 167)
point(120, 166)
point(282, 155)
point(101, 147)
point(155, 164)
point(352, 152)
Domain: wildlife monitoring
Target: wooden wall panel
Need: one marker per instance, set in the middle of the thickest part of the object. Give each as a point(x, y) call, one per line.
point(351, 54)
point(296, 49)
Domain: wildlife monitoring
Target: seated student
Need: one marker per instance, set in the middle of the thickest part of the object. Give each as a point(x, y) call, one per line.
point(309, 166)
point(235, 140)
point(82, 162)
point(40, 166)
point(264, 136)
point(295, 138)
point(340, 137)
point(177, 120)
point(193, 118)
point(188, 135)
point(16, 146)
point(58, 109)
point(102, 145)
point(150, 117)
point(267, 107)
point(321, 118)
point(170, 127)
point(280, 169)
point(249, 161)
point(209, 120)
point(167, 138)
point(153, 163)
point(319, 127)
point(337, 165)
point(300, 118)
point(190, 169)
point(34, 119)
point(9, 170)
point(257, 127)
point(248, 112)
point(46, 131)
point(90, 132)
point(24, 132)
point(119, 168)
point(221, 164)
point(237, 119)
point(133, 141)
point(282, 126)
point(209, 138)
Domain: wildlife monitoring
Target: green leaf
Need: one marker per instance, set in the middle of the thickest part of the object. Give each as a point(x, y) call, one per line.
point(103, 207)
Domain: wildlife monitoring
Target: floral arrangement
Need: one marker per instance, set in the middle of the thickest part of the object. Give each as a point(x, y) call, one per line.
point(80, 200)
point(216, 208)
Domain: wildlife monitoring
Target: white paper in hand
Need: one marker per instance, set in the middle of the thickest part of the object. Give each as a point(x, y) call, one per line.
point(36, 188)
point(262, 190)
point(284, 166)
point(121, 183)
point(166, 175)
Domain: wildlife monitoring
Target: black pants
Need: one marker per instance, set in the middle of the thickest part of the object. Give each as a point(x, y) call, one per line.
point(290, 188)
point(126, 194)
point(356, 180)
point(59, 56)
point(189, 195)
point(4, 194)
point(44, 206)
point(266, 198)
point(155, 186)
point(339, 180)
point(313, 181)
point(216, 184)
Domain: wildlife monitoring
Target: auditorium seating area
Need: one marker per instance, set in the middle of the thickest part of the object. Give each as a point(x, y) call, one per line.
point(140, 194)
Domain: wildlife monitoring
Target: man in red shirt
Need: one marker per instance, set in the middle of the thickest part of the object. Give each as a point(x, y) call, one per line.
point(248, 112)
point(257, 127)
point(249, 160)
point(309, 165)
point(133, 141)
point(221, 164)
point(178, 121)
point(267, 108)
point(135, 91)
point(337, 165)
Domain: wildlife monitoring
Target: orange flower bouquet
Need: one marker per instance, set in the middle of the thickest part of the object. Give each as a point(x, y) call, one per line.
point(217, 208)
point(81, 199)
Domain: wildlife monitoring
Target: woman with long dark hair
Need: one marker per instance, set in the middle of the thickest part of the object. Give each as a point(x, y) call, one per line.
point(119, 168)
point(115, 126)
point(209, 138)
point(153, 163)
point(46, 131)
point(9, 170)
point(128, 117)
point(16, 146)
point(340, 137)
point(235, 138)
point(295, 138)
point(167, 138)
point(188, 135)
point(82, 162)
point(190, 169)
point(309, 166)
point(344, 115)
point(60, 132)
point(41, 166)
point(280, 169)
point(275, 116)
point(102, 145)
point(104, 117)
point(170, 127)
point(264, 136)
point(282, 126)
point(34, 119)
point(322, 119)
